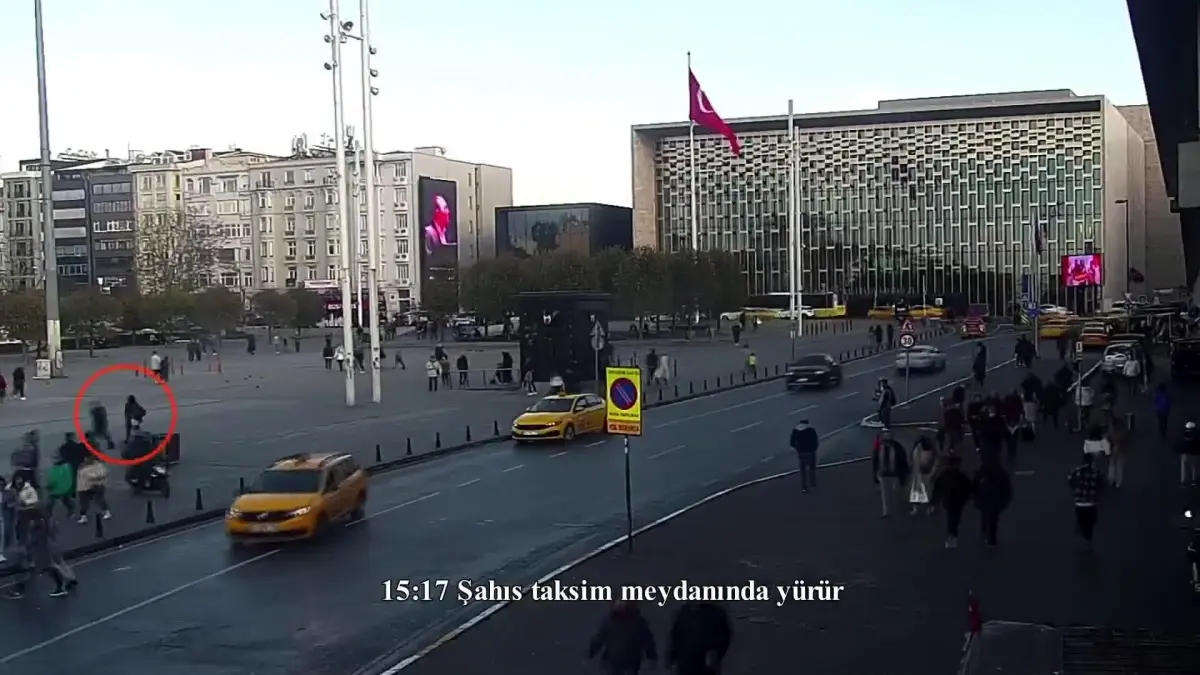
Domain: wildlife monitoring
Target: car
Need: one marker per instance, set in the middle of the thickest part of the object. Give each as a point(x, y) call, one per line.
point(881, 313)
point(298, 497)
point(926, 312)
point(1116, 355)
point(814, 370)
point(972, 327)
point(1053, 310)
point(1053, 328)
point(921, 358)
point(1094, 335)
point(561, 417)
point(1185, 359)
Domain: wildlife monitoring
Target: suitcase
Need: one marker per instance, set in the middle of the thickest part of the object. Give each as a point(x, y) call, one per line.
point(171, 454)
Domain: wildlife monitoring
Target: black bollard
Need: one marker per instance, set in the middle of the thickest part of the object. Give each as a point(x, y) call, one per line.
point(691, 388)
point(408, 446)
point(468, 433)
point(495, 428)
point(378, 454)
point(199, 500)
point(99, 525)
point(150, 512)
point(241, 486)
point(776, 368)
point(704, 383)
point(718, 382)
point(660, 394)
point(743, 376)
point(437, 441)
point(677, 391)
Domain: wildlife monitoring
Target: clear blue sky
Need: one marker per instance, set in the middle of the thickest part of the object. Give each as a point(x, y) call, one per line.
point(548, 88)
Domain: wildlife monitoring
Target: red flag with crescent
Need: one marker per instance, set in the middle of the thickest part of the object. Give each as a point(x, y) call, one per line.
point(703, 114)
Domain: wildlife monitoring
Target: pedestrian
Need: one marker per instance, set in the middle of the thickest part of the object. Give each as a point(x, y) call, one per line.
point(737, 334)
point(701, 635)
point(1031, 392)
point(1051, 403)
point(805, 441)
point(1188, 447)
point(1096, 444)
point(92, 484)
point(444, 369)
point(752, 364)
point(26, 460)
point(60, 487)
point(18, 382)
point(979, 366)
point(878, 337)
point(885, 398)
point(327, 355)
point(1085, 400)
point(433, 372)
point(28, 503)
point(339, 355)
point(135, 414)
point(1162, 408)
point(463, 366)
point(3, 388)
point(527, 381)
point(398, 360)
point(1084, 481)
point(1118, 440)
point(8, 517)
point(156, 363)
point(651, 362)
point(889, 467)
point(952, 489)
point(891, 336)
point(953, 425)
point(662, 374)
point(72, 451)
point(924, 459)
point(358, 359)
point(992, 490)
point(623, 641)
point(42, 555)
point(976, 413)
point(1133, 373)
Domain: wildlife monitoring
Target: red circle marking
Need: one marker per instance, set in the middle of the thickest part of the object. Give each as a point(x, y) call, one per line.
point(145, 372)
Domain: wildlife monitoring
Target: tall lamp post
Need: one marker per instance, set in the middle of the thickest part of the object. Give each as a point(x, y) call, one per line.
point(335, 38)
point(49, 253)
point(1128, 261)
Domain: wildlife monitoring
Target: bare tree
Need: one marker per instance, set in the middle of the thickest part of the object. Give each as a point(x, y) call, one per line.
point(178, 251)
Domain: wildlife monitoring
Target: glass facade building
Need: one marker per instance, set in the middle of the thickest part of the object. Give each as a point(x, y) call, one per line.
point(525, 231)
point(926, 198)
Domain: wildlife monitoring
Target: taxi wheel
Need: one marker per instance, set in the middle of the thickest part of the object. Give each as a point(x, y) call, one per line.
point(569, 433)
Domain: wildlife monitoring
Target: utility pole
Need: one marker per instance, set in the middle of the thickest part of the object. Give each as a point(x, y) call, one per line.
point(49, 254)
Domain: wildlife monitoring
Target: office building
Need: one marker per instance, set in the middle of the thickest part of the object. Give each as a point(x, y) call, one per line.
point(936, 196)
point(111, 215)
point(525, 231)
point(20, 229)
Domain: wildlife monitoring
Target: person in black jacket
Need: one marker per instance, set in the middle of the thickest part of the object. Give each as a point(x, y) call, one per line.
point(889, 466)
point(99, 428)
point(804, 441)
point(623, 641)
point(134, 414)
point(72, 452)
point(952, 489)
point(701, 635)
point(992, 489)
point(18, 383)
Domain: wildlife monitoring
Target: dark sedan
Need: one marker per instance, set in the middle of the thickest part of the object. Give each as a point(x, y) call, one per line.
point(814, 370)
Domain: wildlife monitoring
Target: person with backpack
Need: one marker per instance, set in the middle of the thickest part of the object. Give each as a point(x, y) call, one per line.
point(700, 637)
point(60, 486)
point(42, 555)
point(134, 415)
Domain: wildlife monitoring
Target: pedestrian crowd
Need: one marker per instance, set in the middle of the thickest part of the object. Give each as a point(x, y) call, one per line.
point(700, 637)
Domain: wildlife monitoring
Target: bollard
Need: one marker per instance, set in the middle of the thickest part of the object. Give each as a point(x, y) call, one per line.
point(241, 486)
point(378, 454)
point(468, 433)
point(674, 369)
point(199, 500)
point(495, 428)
point(743, 377)
point(99, 525)
point(776, 368)
point(408, 446)
point(437, 440)
point(718, 382)
point(705, 384)
point(150, 512)
point(676, 391)
point(219, 365)
point(660, 394)
point(691, 388)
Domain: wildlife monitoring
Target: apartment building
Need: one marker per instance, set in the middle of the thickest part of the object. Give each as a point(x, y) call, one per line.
point(20, 229)
point(112, 242)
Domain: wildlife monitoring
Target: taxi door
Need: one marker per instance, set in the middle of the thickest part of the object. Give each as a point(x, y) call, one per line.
point(598, 413)
point(336, 497)
point(582, 413)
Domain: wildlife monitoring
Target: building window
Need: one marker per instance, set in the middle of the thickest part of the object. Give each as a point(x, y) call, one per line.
point(229, 278)
point(330, 197)
point(291, 273)
point(401, 195)
point(247, 279)
point(402, 273)
point(266, 249)
point(310, 249)
point(291, 249)
point(310, 224)
point(264, 180)
point(331, 221)
point(331, 273)
point(308, 176)
point(227, 208)
point(190, 185)
point(229, 184)
point(267, 274)
point(310, 273)
point(331, 247)
point(264, 200)
point(289, 224)
point(402, 246)
point(266, 225)
point(310, 201)
point(289, 201)
point(402, 222)
point(289, 177)
point(72, 270)
point(400, 170)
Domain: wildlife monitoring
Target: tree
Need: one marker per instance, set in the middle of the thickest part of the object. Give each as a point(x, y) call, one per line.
point(91, 315)
point(167, 311)
point(216, 309)
point(309, 307)
point(439, 297)
point(178, 251)
point(488, 286)
point(277, 309)
point(643, 283)
point(23, 316)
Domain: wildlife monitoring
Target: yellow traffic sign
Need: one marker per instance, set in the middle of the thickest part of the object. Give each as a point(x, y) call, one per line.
point(624, 400)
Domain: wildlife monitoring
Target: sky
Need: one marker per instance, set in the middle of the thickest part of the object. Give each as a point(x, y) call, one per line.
point(547, 88)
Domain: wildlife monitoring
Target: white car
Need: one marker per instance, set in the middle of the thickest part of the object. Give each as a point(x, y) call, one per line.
point(1053, 310)
point(805, 311)
point(1116, 355)
point(922, 358)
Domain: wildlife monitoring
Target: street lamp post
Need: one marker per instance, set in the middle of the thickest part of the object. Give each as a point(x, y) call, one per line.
point(335, 38)
point(1128, 251)
point(49, 253)
point(369, 91)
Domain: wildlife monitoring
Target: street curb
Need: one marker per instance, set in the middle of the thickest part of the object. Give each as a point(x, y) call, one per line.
point(209, 515)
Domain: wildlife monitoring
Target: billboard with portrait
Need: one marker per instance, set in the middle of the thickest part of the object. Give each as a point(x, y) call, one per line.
point(437, 210)
point(1083, 270)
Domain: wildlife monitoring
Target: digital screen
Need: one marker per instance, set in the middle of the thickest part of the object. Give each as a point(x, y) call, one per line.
point(438, 212)
point(1086, 269)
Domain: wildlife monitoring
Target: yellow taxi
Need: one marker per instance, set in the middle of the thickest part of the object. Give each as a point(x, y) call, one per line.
point(1094, 335)
point(926, 312)
point(561, 417)
point(298, 497)
point(881, 313)
point(1051, 329)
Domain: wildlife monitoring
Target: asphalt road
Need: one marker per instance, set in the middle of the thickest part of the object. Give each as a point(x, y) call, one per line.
point(186, 604)
point(234, 422)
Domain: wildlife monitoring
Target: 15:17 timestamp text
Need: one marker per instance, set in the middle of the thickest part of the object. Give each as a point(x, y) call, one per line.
point(429, 590)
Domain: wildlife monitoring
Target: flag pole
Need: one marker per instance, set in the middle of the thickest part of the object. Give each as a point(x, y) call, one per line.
point(799, 235)
point(692, 170)
point(793, 304)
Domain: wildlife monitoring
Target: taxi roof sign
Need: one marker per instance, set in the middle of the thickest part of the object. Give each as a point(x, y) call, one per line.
point(907, 328)
point(624, 401)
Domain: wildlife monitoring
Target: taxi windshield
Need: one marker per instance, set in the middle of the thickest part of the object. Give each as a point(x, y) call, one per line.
point(553, 405)
point(295, 482)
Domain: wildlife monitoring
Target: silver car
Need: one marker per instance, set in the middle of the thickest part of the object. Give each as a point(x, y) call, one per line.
point(921, 358)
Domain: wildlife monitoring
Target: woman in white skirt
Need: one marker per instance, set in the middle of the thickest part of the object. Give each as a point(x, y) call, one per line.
point(924, 462)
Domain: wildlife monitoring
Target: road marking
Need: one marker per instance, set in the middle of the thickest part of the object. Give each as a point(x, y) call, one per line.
point(134, 607)
point(558, 454)
point(665, 452)
point(800, 410)
point(697, 416)
point(397, 507)
point(744, 428)
point(512, 468)
point(848, 395)
point(712, 482)
point(470, 482)
point(595, 444)
point(768, 458)
point(746, 468)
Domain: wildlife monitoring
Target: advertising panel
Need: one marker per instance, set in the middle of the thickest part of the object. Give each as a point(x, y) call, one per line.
point(437, 210)
point(1083, 270)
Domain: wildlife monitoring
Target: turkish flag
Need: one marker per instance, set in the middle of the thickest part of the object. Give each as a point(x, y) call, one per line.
point(702, 113)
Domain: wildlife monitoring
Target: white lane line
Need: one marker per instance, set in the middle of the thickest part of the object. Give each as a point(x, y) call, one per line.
point(512, 468)
point(558, 454)
point(470, 482)
point(134, 607)
point(712, 482)
point(397, 507)
point(744, 428)
point(595, 444)
point(800, 410)
point(746, 468)
point(767, 459)
point(848, 395)
point(697, 416)
point(665, 452)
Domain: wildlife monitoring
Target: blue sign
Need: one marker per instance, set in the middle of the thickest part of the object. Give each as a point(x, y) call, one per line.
point(623, 393)
point(1024, 284)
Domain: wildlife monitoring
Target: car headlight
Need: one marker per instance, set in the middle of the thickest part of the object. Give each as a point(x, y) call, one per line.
point(299, 512)
point(233, 513)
